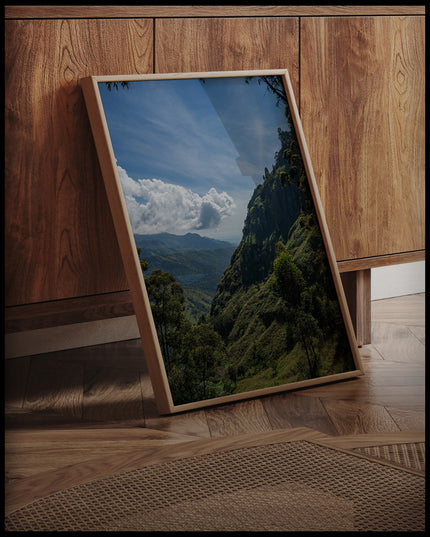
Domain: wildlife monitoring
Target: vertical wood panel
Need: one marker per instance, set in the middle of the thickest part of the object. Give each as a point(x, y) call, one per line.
point(60, 241)
point(202, 44)
point(362, 97)
point(357, 287)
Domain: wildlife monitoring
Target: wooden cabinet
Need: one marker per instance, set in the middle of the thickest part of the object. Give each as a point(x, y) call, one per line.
point(358, 76)
point(362, 107)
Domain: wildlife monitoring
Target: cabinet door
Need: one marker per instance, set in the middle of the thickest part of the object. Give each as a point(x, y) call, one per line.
point(362, 108)
point(60, 240)
point(224, 44)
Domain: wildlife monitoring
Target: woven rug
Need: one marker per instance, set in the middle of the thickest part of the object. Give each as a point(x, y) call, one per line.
point(289, 486)
point(408, 455)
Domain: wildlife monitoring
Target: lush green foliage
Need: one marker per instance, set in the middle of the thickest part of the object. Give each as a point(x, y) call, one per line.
point(196, 262)
point(194, 356)
point(275, 317)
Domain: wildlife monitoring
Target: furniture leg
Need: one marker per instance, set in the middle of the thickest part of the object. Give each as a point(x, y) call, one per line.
point(356, 285)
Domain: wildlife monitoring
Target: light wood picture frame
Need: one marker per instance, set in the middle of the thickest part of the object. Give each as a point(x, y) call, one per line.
point(222, 233)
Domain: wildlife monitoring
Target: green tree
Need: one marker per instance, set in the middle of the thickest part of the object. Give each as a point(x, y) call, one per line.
point(206, 352)
point(202, 371)
point(290, 285)
point(295, 173)
point(307, 331)
point(116, 85)
point(289, 282)
point(167, 304)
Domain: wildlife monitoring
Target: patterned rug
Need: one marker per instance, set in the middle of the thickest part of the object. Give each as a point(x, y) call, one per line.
point(408, 455)
point(288, 486)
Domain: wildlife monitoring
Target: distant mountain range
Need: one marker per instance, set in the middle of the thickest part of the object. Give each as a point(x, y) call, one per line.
point(165, 243)
point(196, 262)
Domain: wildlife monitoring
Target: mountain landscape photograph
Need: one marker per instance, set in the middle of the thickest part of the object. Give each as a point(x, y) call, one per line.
point(230, 246)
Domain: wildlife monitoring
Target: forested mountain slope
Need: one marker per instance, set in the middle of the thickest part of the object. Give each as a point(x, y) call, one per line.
point(275, 318)
point(276, 305)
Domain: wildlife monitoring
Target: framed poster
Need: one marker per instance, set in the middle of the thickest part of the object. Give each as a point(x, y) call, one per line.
point(221, 229)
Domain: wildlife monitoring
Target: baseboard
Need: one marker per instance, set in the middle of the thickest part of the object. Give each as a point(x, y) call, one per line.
point(70, 336)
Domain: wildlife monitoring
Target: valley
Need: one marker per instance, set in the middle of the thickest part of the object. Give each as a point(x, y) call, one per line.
point(196, 262)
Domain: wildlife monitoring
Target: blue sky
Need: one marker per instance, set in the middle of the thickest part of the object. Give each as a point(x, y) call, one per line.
point(190, 154)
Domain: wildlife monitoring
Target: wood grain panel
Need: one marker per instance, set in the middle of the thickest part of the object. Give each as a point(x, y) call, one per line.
point(287, 409)
point(67, 311)
point(397, 343)
point(362, 108)
point(381, 261)
point(239, 418)
point(54, 389)
point(205, 11)
point(111, 393)
point(352, 418)
point(222, 44)
point(408, 310)
point(31, 452)
point(407, 419)
point(60, 240)
point(16, 372)
point(357, 289)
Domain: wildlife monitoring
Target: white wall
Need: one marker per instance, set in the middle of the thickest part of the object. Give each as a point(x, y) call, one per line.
point(397, 280)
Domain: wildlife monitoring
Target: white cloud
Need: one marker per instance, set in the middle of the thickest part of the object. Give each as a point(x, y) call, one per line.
point(155, 206)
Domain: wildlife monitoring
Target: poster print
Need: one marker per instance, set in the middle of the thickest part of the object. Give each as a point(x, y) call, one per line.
point(209, 176)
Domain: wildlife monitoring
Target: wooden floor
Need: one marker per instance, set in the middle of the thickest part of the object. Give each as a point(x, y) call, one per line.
point(80, 407)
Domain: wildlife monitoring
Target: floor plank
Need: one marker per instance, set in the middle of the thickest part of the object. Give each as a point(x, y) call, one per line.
point(16, 372)
point(368, 353)
point(112, 394)
point(287, 410)
point(372, 439)
point(397, 343)
point(419, 332)
point(404, 310)
point(352, 418)
point(193, 423)
point(29, 453)
point(53, 388)
point(350, 390)
point(395, 374)
point(406, 397)
point(120, 355)
point(190, 423)
point(238, 418)
point(407, 419)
